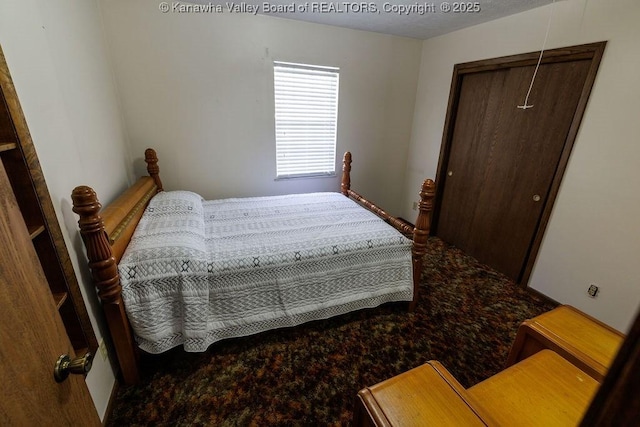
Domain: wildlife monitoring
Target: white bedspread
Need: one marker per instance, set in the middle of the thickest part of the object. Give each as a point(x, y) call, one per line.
point(198, 271)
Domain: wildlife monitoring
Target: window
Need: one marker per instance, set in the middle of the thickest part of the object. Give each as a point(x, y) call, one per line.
point(306, 113)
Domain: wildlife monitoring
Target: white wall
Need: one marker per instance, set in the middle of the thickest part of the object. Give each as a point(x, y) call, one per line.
point(57, 58)
point(199, 89)
point(594, 233)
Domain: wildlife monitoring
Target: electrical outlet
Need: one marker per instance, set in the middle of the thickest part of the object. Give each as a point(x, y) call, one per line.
point(103, 350)
point(415, 206)
point(592, 291)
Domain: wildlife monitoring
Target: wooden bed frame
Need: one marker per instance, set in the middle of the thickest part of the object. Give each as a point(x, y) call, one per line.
point(107, 232)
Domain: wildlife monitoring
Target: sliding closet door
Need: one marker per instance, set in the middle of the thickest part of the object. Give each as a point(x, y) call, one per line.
point(501, 162)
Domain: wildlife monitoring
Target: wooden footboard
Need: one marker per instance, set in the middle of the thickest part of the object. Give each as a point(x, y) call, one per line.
point(420, 233)
point(107, 232)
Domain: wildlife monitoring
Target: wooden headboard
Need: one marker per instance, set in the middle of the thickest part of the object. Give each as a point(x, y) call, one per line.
point(106, 235)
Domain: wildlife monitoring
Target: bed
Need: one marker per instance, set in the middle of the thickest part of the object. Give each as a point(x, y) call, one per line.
point(173, 269)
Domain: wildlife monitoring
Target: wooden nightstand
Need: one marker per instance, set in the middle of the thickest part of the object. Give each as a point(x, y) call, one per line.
point(584, 341)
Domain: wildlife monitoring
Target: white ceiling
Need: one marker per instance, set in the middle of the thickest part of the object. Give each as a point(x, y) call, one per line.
point(433, 21)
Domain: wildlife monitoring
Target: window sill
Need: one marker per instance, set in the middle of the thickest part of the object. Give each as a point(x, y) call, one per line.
point(305, 176)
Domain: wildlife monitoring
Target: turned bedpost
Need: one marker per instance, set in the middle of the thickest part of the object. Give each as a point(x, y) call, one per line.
point(421, 234)
point(152, 167)
point(345, 186)
point(104, 271)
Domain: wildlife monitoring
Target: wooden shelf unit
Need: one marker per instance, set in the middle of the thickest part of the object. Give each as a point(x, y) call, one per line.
point(20, 161)
point(35, 231)
point(6, 146)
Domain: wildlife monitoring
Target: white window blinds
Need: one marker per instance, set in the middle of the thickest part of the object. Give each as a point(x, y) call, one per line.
point(306, 113)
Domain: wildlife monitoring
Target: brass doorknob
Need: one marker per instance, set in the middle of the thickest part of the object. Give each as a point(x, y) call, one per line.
point(450, 173)
point(65, 366)
point(536, 197)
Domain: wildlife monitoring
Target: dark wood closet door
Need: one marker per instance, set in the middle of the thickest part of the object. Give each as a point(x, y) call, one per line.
point(503, 159)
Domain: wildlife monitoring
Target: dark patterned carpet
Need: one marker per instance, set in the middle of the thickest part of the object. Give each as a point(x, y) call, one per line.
point(309, 375)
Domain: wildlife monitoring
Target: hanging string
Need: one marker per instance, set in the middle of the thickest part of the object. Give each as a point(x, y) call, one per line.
point(535, 72)
point(584, 12)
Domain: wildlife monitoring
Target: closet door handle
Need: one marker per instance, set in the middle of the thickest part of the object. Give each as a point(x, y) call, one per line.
point(536, 197)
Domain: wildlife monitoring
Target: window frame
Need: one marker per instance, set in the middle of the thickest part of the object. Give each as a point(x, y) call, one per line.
point(325, 129)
